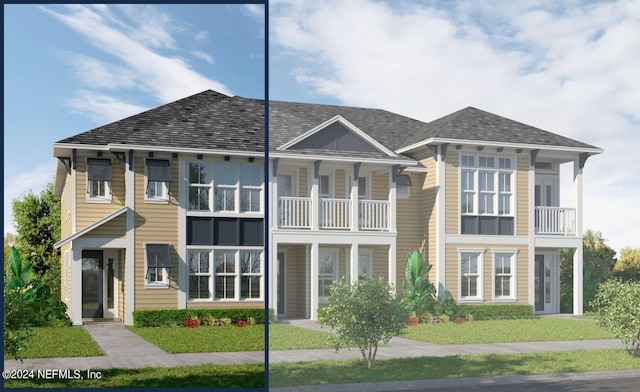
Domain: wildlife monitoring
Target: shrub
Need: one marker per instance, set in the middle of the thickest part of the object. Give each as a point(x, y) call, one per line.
point(618, 307)
point(173, 317)
point(418, 293)
point(363, 314)
point(191, 322)
point(496, 312)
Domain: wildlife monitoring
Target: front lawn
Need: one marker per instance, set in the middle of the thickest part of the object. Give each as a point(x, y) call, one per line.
point(503, 331)
point(402, 369)
point(205, 339)
point(201, 376)
point(49, 342)
point(289, 337)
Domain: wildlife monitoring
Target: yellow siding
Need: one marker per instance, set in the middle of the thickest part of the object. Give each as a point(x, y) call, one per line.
point(87, 212)
point(452, 185)
point(339, 185)
point(121, 284)
point(155, 224)
point(380, 260)
point(116, 228)
point(303, 185)
point(66, 208)
point(295, 279)
point(380, 187)
point(522, 201)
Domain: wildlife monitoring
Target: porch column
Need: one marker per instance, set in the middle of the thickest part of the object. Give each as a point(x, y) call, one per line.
point(315, 256)
point(439, 156)
point(532, 232)
point(129, 258)
point(353, 263)
point(577, 255)
point(315, 198)
point(392, 265)
point(76, 285)
point(393, 177)
point(355, 203)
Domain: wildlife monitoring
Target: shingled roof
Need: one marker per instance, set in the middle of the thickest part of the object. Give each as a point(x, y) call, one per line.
point(208, 120)
point(477, 125)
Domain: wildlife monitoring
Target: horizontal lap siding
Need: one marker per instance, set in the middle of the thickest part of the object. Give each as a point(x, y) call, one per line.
point(88, 213)
point(115, 228)
point(452, 194)
point(295, 279)
point(522, 192)
point(303, 183)
point(380, 260)
point(339, 185)
point(380, 187)
point(155, 224)
point(66, 208)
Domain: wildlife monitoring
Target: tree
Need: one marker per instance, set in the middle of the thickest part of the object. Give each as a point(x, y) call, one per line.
point(618, 305)
point(363, 314)
point(9, 241)
point(598, 261)
point(628, 266)
point(37, 219)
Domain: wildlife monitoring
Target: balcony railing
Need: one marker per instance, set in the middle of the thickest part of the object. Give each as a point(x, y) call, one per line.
point(334, 214)
point(555, 221)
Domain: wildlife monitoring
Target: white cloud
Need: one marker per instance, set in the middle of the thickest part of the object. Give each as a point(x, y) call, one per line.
point(571, 68)
point(99, 74)
point(204, 56)
point(256, 11)
point(201, 36)
point(102, 108)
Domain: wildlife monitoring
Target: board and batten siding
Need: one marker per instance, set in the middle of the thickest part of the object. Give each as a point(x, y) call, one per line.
point(88, 212)
point(155, 224)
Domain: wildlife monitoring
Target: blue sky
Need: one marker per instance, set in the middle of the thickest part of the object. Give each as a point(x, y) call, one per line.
point(570, 67)
point(69, 69)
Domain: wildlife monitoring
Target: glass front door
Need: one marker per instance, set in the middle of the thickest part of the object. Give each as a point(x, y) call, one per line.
point(545, 287)
point(92, 284)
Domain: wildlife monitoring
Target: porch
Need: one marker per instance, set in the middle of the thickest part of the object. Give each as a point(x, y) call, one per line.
point(555, 221)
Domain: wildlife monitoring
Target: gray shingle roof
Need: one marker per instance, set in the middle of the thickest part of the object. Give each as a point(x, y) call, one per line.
point(475, 124)
point(208, 120)
point(288, 120)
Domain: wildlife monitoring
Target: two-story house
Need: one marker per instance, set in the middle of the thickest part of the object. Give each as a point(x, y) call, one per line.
point(164, 210)
point(353, 190)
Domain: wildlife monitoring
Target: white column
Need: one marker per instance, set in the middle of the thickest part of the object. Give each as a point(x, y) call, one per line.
point(355, 205)
point(353, 263)
point(392, 202)
point(183, 283)
point(532, 233)
point(577, 256)
point(392, 265)
point(315, 203)
point(440, 223)
point(314, 303)
point(129, 259)
point(76, 286)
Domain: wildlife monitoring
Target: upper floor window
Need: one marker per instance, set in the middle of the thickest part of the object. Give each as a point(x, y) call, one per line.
point(250, 188)
point(99, 179)
point(158, 179)
point(199, 186)
point(226, 185)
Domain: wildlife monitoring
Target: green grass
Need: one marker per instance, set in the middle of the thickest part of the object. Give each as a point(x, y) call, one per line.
point(202, 376)
point(60, 342)
point(204, 339)
point(289, 337)
point(352, 371)
point(502, 331)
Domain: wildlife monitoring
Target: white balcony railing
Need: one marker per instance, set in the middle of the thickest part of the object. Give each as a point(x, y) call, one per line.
point(294, 212)
point(555, 221)
point(335, 214)
point(374, 215)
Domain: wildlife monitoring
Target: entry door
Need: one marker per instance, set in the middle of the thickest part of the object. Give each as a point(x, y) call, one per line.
point(546, 191)
point(280, 307)
point(92, 284)
point(545, 275)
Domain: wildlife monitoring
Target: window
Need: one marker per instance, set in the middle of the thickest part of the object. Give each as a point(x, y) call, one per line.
point(362, 188)
point(471, 275)
point(199, 275)
point(225, 272)
point(158, 179)
point(324, 183)
point(250, 188)
point(365, 268)
point(403, 185)
point(199, 186)
point(503, 275)
point(225, 187)
point(158, 264)
point(250, 275)
point(486, 194)
point(327, 271)
point(99, 179)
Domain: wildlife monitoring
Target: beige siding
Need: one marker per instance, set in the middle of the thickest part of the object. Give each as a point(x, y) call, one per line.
point(522, 192)
point(155, 224)
point(452, 195)
point(380, 260)
point(116, 228)
point(303, 183)
point(295, 279)
point(340, 189)
point(66, 208)
point(121, 284)
point(380, 187)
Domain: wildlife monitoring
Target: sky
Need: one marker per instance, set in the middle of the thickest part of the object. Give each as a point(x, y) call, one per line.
point(69, 69)
point(570, 67)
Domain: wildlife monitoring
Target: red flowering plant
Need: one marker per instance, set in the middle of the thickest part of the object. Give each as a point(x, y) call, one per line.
point(191, 322)
point(241, 323)
point(460, 320)
point(411, 320)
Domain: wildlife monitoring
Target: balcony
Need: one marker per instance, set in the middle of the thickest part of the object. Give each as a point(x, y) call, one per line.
point(334, 214)
point(555, 221)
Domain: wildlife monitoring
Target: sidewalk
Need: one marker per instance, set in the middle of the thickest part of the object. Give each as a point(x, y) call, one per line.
point(125, 349)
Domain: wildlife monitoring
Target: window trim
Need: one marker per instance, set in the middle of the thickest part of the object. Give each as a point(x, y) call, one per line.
point(513, 286)
point(165, 282)
point(108, 197)
point(496, 171)
point(208, 186)
point(479, 297)
point(334, 273)
point(164, 199)
point(259, 188)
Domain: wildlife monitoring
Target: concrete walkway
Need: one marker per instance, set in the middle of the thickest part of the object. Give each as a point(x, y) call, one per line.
point(125, 349)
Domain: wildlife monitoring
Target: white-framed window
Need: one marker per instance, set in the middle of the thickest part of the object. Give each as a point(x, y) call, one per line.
point(158, 179)
point(471, 270)
point(199, 186)
point(225, 274)
point(158, 264)
point(226, 185)
point(324, 186)
point(327, 271)
point(200, 274)
point(403, 186)
point(99, 176)
point(250, 274)
point(250, 188)
point(504, 274)
point(486, 185)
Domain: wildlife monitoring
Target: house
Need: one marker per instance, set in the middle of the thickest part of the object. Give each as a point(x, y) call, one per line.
point(353, 190)
point(164, 210)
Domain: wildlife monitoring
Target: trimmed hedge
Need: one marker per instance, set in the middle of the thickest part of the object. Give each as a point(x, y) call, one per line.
point(175, 317)
point(496, 312)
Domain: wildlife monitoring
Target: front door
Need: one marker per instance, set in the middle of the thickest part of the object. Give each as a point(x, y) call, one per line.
point(545, 287)
point(92, 284)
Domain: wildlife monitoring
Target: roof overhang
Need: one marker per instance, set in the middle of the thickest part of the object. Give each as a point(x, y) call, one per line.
point(63, 149)
point(344, 159)
point(91, 227)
